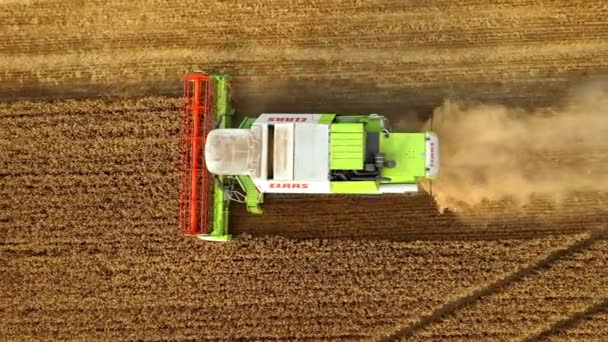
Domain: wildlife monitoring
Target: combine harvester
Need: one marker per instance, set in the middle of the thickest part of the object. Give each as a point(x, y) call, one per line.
point(285, 153)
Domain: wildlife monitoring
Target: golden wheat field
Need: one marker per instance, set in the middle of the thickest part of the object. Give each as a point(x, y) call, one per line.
point(89, 137)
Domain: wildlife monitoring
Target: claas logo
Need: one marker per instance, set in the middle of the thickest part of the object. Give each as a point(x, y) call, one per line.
point(432, 155)
point(288, 185)
point(286, 119)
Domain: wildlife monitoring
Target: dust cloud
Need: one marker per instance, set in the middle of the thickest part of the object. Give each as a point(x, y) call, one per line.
point(493, 152)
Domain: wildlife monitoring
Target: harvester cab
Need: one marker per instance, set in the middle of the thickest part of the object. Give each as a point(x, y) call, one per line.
point(300, 153)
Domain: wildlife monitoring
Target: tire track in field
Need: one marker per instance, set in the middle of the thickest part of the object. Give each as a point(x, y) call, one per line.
point(497, 286)
point(569, 322)
point(591, 327)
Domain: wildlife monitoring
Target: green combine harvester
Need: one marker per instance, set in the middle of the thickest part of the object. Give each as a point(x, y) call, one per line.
point(301, 153)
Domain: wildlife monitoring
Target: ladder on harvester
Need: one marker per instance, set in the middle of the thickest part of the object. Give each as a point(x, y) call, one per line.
point(203, 204)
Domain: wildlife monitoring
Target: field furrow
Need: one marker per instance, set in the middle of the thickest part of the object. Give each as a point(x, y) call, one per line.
point(588, 325)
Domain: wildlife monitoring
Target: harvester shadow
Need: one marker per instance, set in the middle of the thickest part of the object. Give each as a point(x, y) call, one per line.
point(408, 108)
point(402, 106)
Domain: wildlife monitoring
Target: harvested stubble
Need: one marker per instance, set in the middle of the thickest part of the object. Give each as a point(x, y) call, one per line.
point(362, 57)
